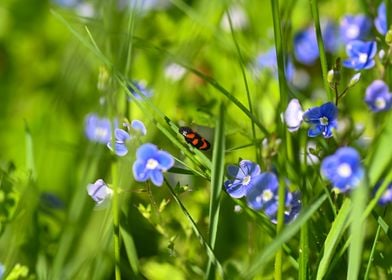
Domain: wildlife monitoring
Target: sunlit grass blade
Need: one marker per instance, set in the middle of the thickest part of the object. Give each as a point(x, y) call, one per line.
point(131, 250)
point(218, 165)
point(334, 236)
point(357, 231)
point(196, 230)
point(268, 253)
point(320, 43)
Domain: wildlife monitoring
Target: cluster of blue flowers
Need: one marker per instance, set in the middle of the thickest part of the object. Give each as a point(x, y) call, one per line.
point(260, 190)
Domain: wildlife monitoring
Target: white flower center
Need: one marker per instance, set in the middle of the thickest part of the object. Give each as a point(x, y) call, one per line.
point(101, 132)
point(344, 170)
point(246, 180)
point(352, 32)
point(267, 195)
point(363, 57)
point(152, 164)
point(323, 121)
point(380, 103)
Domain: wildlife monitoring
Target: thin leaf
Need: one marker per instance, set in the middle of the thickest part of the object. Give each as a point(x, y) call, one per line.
point(130, 249)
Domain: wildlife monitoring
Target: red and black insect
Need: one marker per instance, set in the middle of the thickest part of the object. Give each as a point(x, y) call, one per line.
point(194, 138)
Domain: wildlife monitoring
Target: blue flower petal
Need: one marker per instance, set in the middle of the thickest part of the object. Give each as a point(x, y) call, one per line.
point(235, 189)
point(233, 172)
point(139, 171)
point(146, 151)
point(249, 168)
point(121, 135)
point(315, 131)
point(261, 183)
point(329, 110)
point(165, 160)
point(156, 177)
point(312, 115)
point(139, 126)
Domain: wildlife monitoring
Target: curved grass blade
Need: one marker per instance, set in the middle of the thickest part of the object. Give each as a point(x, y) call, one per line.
point(196, 230)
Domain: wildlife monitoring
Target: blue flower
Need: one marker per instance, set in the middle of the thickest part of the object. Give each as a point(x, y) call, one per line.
point(343, 169)
point(99, 191)
point(354, 27)
point(381, 20)
point(141, 89)
point(360, 55)
point(387, 195)
point(150, 163)
point(67, 3)
point(322, 120)
point(243, 178)
point(293, 206)
point(263, 194)
point(268, 61)
point(378, 97)
point(120, 147)
point(293, 115)
point(305, 43)
point(98, 129)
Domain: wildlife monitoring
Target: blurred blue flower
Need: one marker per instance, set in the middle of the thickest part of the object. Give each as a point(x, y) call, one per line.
point(343, 169)
point(120, 147)
point(293, 206)
point(99, 191)
point(263, 193)
point(378, 97)
point(139, 127)
point(150, 163)
point(2, 270)
point(360, 55)
point(381, 20)
point(305, 43)
point(322, 120)
point(50, 200)
point(387, 195)
point(243, 178)
point(141, 88)
point(98, 129)
point(267, 61)
point(293, 115)
point(355, 27)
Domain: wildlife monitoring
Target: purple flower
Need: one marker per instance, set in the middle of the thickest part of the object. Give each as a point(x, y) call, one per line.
point(305, 43)
point(150, 163)
point(378, 97)
point(361, 55)
point(293, 115)
point(121, 137)
point(343, 169)
point(322, 120)
point(99, 191)
point(381, 20)
point(138, 88)
point(354, 27)
point(98, 129)
point(243, 178)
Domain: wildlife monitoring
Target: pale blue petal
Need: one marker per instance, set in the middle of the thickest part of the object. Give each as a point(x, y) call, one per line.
point(164, 159)
point(146, 151)
point(139, 171)
point(156, 177)
point(139, 126)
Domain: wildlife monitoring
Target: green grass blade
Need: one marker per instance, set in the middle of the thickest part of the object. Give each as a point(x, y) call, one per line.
point(320, 43)
point(334, 236)
point(218, 164)
point(359, 198)
point(268, 253)
point(131, 250)
point(196, 230)
point(371, 256)
point(30, 166)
